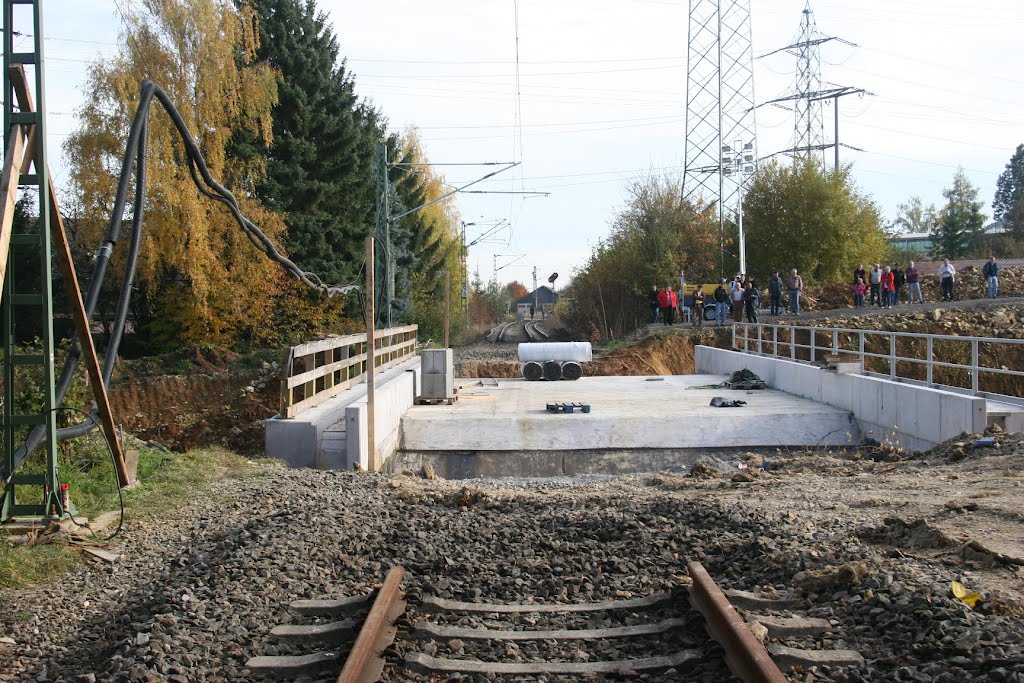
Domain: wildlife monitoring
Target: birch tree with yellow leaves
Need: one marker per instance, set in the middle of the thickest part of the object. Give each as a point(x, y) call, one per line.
point(199, 278)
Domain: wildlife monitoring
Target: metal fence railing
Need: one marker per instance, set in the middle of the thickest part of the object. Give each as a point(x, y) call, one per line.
point(981, 366)
point(319, 370)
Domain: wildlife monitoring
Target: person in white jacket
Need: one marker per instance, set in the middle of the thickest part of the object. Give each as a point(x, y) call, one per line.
point(947, 278)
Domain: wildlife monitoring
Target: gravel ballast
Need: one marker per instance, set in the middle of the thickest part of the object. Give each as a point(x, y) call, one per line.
point(196, 593)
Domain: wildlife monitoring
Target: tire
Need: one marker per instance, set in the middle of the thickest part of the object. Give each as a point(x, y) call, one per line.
point(709, 313)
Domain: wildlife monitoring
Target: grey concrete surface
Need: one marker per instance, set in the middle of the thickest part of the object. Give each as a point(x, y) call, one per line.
point(319, 437)
point(910, 416)
point(628, 415)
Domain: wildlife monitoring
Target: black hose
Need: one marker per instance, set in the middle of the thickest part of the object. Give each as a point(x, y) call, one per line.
point(209, 187)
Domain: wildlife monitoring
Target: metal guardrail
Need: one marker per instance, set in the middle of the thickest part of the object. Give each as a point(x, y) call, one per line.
point(979, 366)
point(317, 371)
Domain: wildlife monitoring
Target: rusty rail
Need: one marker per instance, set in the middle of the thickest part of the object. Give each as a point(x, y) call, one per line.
point(745, 656)
point(364, 663)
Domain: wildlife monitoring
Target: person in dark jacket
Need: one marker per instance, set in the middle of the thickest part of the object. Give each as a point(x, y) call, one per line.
point(698, 306)
point(901, 281)
point(991, 272)
point(721, 297)
point(652, 299)
point(914, 283)
point(859, 272)
point(775, 293)
point(751, 301)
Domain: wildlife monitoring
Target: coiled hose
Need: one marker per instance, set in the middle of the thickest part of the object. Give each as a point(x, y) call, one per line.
point(209, 187)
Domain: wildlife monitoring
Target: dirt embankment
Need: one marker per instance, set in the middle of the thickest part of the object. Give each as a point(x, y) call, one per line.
point(670, 354)
point(198, 397)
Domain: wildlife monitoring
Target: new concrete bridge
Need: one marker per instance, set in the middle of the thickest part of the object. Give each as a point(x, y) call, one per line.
point(635, 424)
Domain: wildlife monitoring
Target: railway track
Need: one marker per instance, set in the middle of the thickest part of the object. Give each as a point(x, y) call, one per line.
point(504, 329)
point(534, 331)
point(524, 329)
point(671, 633)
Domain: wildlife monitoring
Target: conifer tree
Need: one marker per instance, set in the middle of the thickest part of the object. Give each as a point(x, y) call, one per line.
point(320, 162)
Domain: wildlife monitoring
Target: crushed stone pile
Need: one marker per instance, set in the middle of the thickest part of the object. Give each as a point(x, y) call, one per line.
point(196, 593)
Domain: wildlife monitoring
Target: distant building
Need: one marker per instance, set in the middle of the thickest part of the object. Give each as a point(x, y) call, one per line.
point(916, 242)
point(922, 243)
point(543, 298)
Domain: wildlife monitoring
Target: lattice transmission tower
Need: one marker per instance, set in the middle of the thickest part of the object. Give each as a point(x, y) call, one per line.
point(809, 127)
point(721, 140)
point(809, 94)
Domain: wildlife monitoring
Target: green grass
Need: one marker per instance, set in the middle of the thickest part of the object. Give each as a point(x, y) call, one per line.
point(166, 481)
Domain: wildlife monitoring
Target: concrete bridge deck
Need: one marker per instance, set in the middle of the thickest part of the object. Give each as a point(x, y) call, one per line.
point(501, 427)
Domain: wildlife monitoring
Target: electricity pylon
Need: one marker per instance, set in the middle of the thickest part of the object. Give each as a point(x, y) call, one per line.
point(809, 123)
point(720, 110)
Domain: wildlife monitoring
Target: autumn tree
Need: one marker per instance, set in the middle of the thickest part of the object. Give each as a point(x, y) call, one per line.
point(654, 235)
point(799, 216)
point(199, 278)
point(516, 290)
point(914, 217)
point(427, 242)
point(961, 223)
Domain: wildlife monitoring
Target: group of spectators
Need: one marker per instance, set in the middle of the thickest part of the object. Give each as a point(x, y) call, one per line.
point(737, 297)
point(881, 286)
point(885, 286)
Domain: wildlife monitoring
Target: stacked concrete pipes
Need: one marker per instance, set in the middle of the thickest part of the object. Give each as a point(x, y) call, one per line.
point(553, 361)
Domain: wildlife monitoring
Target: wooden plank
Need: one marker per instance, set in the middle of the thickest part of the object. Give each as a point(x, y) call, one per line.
point(324, 370)
point(418, 659)
point(62, 250)
point(9, 192)
point(431, 603)
point(23, 96)
point(331, 632)
point(370, 295)
point(100, 553)
point(326, 608)
point(318, 398)
point(284, 665)
point(442, 631)
point(364, 663)
point(286, 392)
point(309, 348)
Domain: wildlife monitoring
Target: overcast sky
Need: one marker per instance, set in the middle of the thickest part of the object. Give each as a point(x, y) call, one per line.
point(602, 86)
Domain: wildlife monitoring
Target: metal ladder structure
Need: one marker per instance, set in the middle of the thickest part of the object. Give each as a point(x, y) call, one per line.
point(23, 298)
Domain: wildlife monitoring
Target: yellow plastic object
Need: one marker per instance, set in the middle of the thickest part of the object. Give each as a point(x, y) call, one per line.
point(964, 595)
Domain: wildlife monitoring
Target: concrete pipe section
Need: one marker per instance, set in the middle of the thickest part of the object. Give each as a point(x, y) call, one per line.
point(533, 371)
point(554, 360)
point(580, 352)
point(572, 371)
point(552, 370)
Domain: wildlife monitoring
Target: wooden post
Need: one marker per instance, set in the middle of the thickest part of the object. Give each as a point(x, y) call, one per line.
point(62, 250)
point(370, 296)
point(447, 307)
point(9, 194)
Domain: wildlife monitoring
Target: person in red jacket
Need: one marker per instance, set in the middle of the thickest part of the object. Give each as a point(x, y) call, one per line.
point(668, 300)
point(888, 288)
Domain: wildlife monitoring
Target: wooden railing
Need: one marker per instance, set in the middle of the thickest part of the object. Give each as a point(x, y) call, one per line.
point(317, 371)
